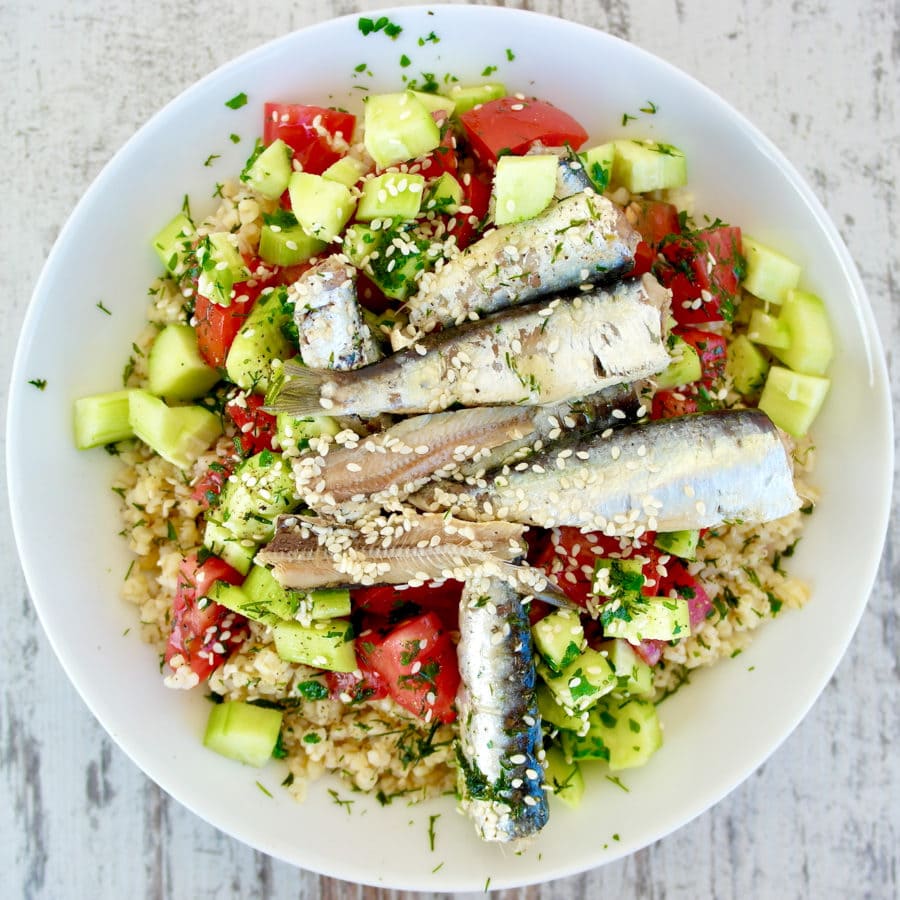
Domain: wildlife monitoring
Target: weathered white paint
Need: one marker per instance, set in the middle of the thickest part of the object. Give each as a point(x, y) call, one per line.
point(819, 820)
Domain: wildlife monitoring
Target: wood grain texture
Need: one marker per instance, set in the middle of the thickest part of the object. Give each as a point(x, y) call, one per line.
point(819, 820)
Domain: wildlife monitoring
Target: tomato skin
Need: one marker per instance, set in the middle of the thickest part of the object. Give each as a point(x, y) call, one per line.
point(644, 257)
point(712, 349)
point(384, 604)
point(671, 404)
point(442, 159)
point(512, 125)
point(255, 426)
point(295, 124)
point(656, 220)
point(217, 326)
point(477, 194)
point(209, 485)
point(422, 679)
point(198, 628)
point(692, 276)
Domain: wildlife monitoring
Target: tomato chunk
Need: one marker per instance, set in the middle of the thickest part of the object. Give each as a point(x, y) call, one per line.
point(204, 633)
point(209, 485)
point(510, 125)
point(442, 159)
point(644, 257)
point(655, 219)
point(255, 426)
point(393, 604)
point(318, 136)
point(671, 404)
point(217, 326)
point(703, 269)
point(476, 194)
point(417, 659)
point(353, 687)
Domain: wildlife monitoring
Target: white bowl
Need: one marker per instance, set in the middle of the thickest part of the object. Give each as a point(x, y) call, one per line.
point(717, 731)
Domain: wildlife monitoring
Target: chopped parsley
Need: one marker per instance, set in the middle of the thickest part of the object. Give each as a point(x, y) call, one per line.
point(651, 108)
point(209, 159)
point(488, 70)
point(405, 61)
point(430, 38)
point(347, 804)
point(626, 118)
point(431, 821)
point(263, 788)
point(510, 56)
point(383, 23)
point(237, 101)
point(618, 783)
point(234, 138)
point(39, 383)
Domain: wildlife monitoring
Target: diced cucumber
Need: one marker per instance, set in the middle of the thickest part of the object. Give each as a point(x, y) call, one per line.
point(398, 127)
point(435, 102)
point(346, 171)
point(552, 713)
point(445, 195)
point(266, 595)
point(770, 274)
point(325, 603)
point(767, 330)
point(523, 186)
point(396, 276)
point(270, 171)
point(678, 543)
point(564, 777)
point(625, 734)
point(810, 346)
point(175, 369)
point(360, 242)
point(474, 95)
point(746, 365)
point(651, 618)
point(618, 579)
point(221, 267)
point(222, 543)
point(235, 598)
point(102, 419)
point(598, 164)
point(684, 367)
point(243, 731)
point(559, 638)
point(321, 206)
point(633, 676)
point(326, 645)
point(793, 400)
point(641, 166)
point(582, 683)
point(260, 341)
point(260, 489)
point(394, 195)
point(174, 242)
point(179, 434)
point(291, 432)
point(283, 242)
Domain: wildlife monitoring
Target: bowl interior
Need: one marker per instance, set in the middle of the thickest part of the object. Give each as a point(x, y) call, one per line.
point(717, 731)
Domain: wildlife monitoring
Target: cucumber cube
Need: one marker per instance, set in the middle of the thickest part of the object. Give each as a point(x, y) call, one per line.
point(582, 683)
point(325, 603)
point(173, 243)
point(598, 163)
point(270, 171)
point(179, 434)
point(346, 171)
point(770, 275)
point(678, 543)
point(435, 102)
point(552, 713)
point(237, 600)
point(564, 777)
point(292, 432)
point(651, 619)
point(321, 206)
point(793, 400)
point(746, 365)
point(175, 369)
point(559, 638)
point(629, 731)
point(767, 330)
point(394, 195)
point(222, 543)
point(618, 579)
point(445, 195)
point(102, 419)
point(398, 127)
point(260, 341)
point(283, 242)
point(221, 267)
point(243, 731)
point(684, 367)
point(810, 346)
point(641, 166)
point(523, 186)
point(634, 677)
point(466, 98)
point(268, 597)
point(326, 645)
point(360, 242)
point(260, 489)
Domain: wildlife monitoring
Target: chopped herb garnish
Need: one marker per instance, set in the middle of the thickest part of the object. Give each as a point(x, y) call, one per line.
point(651, 108)
point(234, 138)
point(237, 101)
point(347, 804)
point(618, 783)
point(218, 191)
point(510, 55)
point(488, 70)
point(263, 788)
point(278, 751)
point(289, 780)
point(128, 573)
point(39, 383)
point(383, 23)
point(626, 118)
point(430, 38)
point(102, 308)
point(170, 531)
point(360, 68)
point(431, 821)
point(210, 158)
point(405, 61)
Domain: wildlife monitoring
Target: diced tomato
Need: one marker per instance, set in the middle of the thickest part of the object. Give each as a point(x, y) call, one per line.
point(442, 159)
point(204, 633)
point(255, 426)
point(417, 659)
point(644, 256)
point(703, 269)
point(318, 136)
point(393, 604)
point(656, 220)
point(368, 685)
point(477, 195)
point(685, 585)
point(671, 404)
point(509, 125)
point(209, 485)
point(217, 326)
point(712, 349)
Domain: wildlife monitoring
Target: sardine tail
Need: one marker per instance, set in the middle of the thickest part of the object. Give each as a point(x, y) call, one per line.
point(299, 391)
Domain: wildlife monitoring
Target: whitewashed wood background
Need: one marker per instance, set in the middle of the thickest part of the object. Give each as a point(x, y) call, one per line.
point(819, 820)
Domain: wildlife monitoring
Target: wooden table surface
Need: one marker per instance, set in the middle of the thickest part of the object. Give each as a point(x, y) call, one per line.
point(77, 819)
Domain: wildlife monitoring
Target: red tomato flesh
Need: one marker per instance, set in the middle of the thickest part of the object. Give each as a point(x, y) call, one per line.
point(316, 135)
point(711, 348)
point(209, 485)
point(255, 426)
point(656, 220)
point(510, 125)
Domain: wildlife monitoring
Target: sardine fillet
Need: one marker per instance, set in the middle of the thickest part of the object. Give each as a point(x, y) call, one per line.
point(692, 472)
